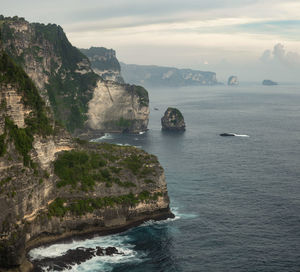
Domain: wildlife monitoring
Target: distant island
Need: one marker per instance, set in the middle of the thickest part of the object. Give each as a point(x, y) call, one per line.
point(268, 82)
point(159, 76)
point(233, 81)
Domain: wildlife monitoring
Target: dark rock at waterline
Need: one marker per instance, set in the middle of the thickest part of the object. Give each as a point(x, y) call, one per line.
point(111, 250)
point(268, 82)
point(173, 120)
point(72, 257)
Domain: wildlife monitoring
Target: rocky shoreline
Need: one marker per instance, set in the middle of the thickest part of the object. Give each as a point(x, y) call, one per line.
point(88, 233)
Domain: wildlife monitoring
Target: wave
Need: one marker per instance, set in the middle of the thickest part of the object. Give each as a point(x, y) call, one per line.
point(97, 263)
point(241, 135)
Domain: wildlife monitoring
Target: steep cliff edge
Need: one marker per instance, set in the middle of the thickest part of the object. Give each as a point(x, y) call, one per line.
point(53, 187)
point(105, 63)
point(64, 76)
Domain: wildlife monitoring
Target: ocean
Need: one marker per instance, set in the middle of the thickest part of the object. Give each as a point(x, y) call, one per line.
point(236, 199)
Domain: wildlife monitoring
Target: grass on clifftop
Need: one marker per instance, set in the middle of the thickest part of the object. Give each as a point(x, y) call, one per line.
point(110, 164)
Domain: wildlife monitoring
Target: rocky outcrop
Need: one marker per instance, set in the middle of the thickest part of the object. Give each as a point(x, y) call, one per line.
point(66, 80)
point(125, 108)
point(53, 187)
point(72, 257)
point(233, 81)
point(104, 63)
point(173, 120)
point(157, 76)
point(268, 82)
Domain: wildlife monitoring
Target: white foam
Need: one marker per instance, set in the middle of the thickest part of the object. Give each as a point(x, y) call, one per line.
point(241, 135)
point(142, 132)
point(106, 136)
point(98, 263)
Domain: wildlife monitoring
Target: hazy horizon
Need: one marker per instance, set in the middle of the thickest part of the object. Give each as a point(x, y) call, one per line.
point(254, 39)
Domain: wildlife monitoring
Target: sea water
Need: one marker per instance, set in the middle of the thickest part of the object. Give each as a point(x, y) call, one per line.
point(236, 199)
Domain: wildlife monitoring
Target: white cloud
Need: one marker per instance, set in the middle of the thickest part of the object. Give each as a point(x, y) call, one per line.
point(279, 56)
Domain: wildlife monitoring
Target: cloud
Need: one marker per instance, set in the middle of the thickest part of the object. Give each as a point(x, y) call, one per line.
point(279, 56)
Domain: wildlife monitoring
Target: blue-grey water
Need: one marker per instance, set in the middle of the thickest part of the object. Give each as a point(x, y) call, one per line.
point(236, 199)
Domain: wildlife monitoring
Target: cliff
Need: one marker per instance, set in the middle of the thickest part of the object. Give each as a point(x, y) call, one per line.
point(65, 78)
point(105, 63)
point(53, 186)
point(157, 76)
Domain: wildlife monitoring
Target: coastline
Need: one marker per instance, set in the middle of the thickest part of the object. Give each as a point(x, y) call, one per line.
point(89, 232)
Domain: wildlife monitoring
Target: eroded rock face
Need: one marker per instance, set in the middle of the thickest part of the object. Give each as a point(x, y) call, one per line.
point(233, 81)
point(124, 108)
point(68, 84)
point(120, 186)
point(173, 120)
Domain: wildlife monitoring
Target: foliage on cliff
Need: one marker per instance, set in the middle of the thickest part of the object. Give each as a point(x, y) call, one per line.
point(109, 164)
point(59, 207)
point(37, 122)
point(10, 73)
point(70, 79)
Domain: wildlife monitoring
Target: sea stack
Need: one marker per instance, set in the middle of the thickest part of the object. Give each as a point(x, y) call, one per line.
point(268, 82)
point(173, 120)
point(233, 81)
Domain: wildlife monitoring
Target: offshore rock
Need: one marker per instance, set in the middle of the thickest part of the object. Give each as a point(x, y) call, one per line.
point(268, 82)
point(233, 81)
point(173, 120)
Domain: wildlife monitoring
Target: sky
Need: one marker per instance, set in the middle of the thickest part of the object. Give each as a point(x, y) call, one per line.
point(248, 38)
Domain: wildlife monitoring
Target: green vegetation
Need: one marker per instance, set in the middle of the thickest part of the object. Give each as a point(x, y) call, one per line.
point(134, 163)
point(82, 206)
point(123, 123)
point(110, 164)
point(4, 181)
point(142, 94)
point(10, 73)
point(73, 167)
point(68, 90)
point(2, 145)
point(22, 138)
point(176, 112)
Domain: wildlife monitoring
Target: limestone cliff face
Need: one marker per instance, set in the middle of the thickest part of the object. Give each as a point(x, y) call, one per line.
point(123, 107)
point(52, 186)
point(104, 63)
point(64, 75)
